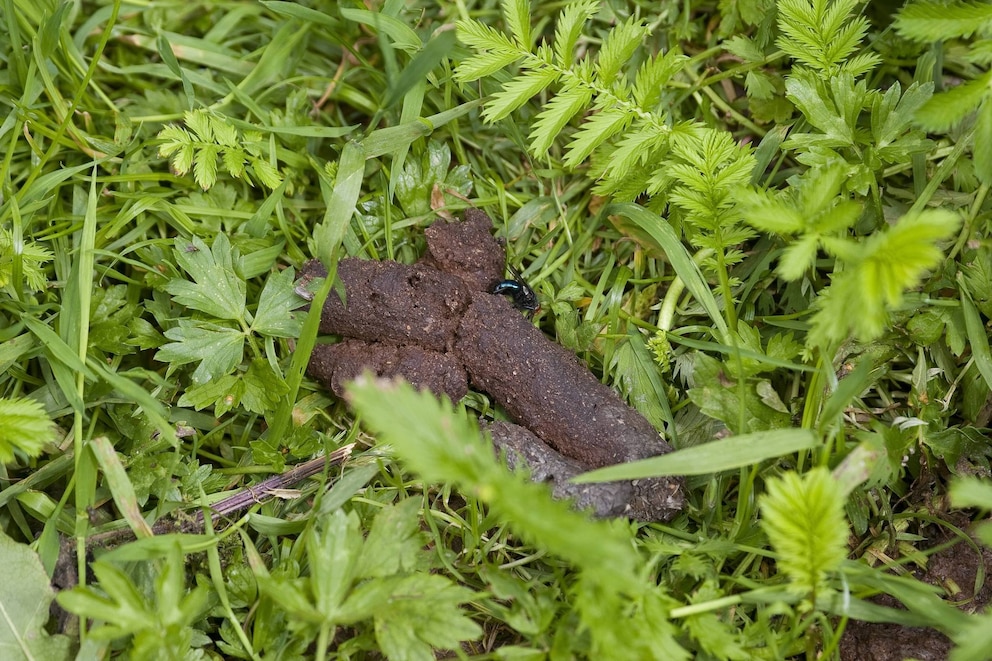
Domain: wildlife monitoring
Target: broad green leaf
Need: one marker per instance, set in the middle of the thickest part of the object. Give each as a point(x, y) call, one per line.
point(420, 67)
point(977, 335)
point(263, 388)
point(402, 34)
point(730, 400)
point(25, 595)
point(222, 393)
point(218, 349)
point(640, 381)
point(274, 316)
point(423, 613)
point(217, 289)
point(394, 542)
point(333, 549)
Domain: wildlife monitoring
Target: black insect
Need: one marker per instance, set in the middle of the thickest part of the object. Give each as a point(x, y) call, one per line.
point(520, 292)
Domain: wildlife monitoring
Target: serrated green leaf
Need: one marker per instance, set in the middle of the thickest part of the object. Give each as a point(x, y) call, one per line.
point(518, 92)
point(222, 393)
point(266, 173)
point(765, 212)
point(333, 550)
point(217, 289)
point(803, 517)
point(205, 166)
point(263, 388)
point(818, 107)
point(423, 613)
point(445, 446)
point(493, 51)
point(948, 108)
point(393, 544)
point(517, 15)
point(824, 35)
point(620, 44)
point(798, 257)
point(882, 268)
point(198, 122)
point(926, 20)
point(897, 116)
point(569, 27)
point(24, 426)
point(274, 316)
point(596, 130)
point(218, 349)
point(558, 112)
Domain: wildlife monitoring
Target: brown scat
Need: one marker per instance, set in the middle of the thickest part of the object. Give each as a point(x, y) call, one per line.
point(545, 465)
point(336, 364)
point(544, 388)
point(393, 302)
point(467, 249)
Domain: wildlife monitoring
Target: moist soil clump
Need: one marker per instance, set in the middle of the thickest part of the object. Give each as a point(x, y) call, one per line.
point(435, 321)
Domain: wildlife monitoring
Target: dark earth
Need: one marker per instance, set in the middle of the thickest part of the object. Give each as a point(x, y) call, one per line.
point(957, 569)
point(436, 324)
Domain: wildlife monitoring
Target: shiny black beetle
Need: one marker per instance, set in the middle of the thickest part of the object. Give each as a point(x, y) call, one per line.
point(517, 289)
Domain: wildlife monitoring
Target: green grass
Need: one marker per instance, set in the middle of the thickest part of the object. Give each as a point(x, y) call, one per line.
point(765, 224)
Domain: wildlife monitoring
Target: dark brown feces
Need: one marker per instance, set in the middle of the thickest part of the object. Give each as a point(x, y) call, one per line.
point(441, 313)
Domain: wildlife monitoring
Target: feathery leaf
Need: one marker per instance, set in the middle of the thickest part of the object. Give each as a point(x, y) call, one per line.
point(926, 20)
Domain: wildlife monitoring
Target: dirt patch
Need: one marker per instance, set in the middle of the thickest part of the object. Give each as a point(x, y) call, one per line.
point(960, 570)
point(443, 304)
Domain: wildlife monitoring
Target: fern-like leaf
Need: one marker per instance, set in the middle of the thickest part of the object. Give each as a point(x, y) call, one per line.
point(638, 147)
point(927, 20)
point(823, 35)
point(654, 75)
point(517, 15)
point(948, 108)
point(24, 426)
point(209, 137)
point(803, 517)
point(493, 51)
point(569, 28)
point(598, 129)
point(33, 257)
point(619, 46)
point(571, 100)
point(519, 91)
